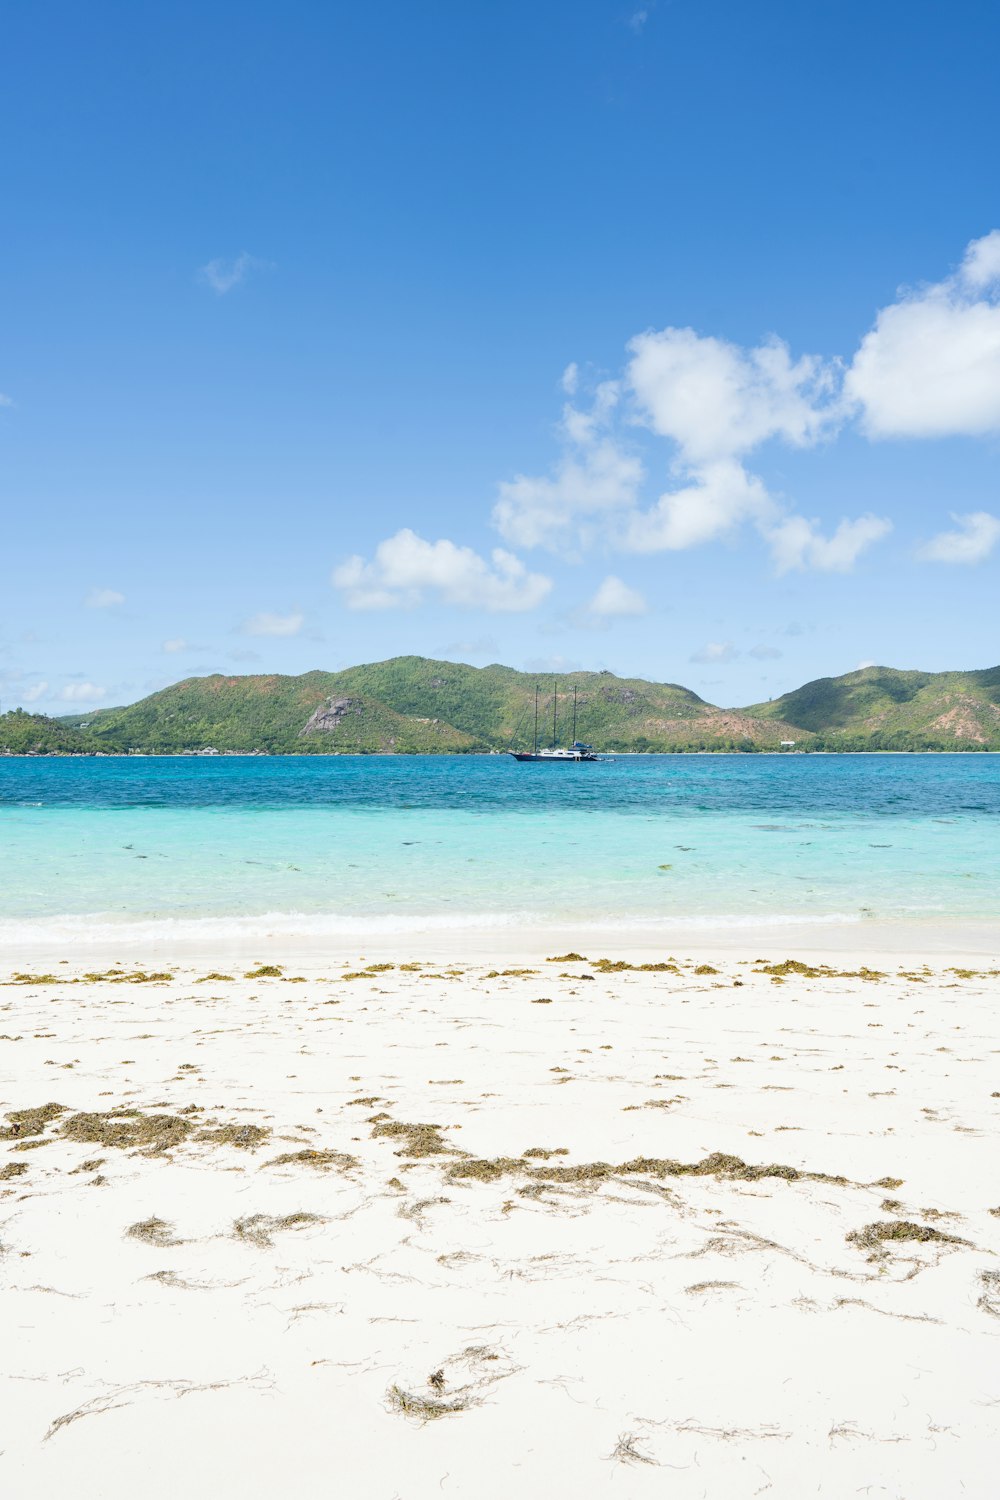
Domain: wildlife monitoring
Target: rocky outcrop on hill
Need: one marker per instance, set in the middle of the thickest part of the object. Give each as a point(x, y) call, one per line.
point(330, 715)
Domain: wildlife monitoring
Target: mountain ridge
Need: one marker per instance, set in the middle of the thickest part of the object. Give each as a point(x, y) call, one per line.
point(413, 704)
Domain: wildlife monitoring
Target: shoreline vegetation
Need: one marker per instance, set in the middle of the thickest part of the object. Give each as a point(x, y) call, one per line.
point(416, 706)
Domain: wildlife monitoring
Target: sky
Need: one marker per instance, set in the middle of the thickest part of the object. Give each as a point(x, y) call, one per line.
point(661, 337)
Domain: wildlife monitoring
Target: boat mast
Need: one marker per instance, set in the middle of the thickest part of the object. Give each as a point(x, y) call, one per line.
point(534, 748)
point(553, 713)
point(574, 713)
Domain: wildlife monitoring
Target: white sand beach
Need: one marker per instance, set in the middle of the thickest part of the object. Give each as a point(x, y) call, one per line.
point(431, 1229)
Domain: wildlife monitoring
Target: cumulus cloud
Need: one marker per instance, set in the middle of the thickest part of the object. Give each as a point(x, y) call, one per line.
point(406, 567)
point(223, 275)
point(798, 544)
point(719, 653)
point(594, 478)
point(973, 539)
point(719, 497)
point(615, 598)
point(717, 400)
point(33, 693)
point(714, 402)
point(83, 692)
point(177, 644)
point(930, 367)
point(266, 623)
point(104, 599)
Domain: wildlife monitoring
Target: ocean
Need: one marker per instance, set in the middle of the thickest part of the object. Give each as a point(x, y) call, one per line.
point(359, 844)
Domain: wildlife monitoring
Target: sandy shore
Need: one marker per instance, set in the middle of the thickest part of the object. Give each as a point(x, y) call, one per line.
point(698, 1231)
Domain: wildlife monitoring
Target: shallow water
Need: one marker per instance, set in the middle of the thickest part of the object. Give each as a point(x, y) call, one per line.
point(382, 843)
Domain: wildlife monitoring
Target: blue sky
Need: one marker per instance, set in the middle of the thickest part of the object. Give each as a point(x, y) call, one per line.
point(661, 336)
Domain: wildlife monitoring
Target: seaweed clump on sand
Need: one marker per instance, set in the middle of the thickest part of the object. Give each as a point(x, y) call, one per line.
point(718, 1164)
point(128, 1129)
point(30, 1122)
point(418, 1140)
point(567, 958)
point(12, 1169)
point(320, 1161)
point(153, 1231)
point(890, 1231)
point(619, 966)
point(426, 1408)
point(121, 976)
point(264, 971)
point(246, 1137)
point(794, 966)
point(258, 1229)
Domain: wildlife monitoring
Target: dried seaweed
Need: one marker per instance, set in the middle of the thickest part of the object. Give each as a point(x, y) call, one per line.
point(418, 1140)
point(128, 1129)
point(874, 1236)
point(29, 1122)
point(426, 1408)
point(154, 1231)
point(246, 1137)
point(321, 1161)
point(257, 1229)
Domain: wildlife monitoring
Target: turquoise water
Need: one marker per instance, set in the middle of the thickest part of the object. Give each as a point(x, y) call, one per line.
point(379, 843)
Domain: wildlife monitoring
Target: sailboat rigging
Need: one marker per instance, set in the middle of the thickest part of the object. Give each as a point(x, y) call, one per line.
point(556, 752)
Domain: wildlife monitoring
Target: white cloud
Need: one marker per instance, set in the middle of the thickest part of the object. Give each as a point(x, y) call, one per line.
point(177, 644)
point(720, 497)
point(83, 692)
point(405, 566)
point(930, 367)
point(980, 266)
point(717, 400)
point(614, 598)
point(798, 543)
point(972, 540)
point(35, 692)
point(223, 275)
point(862, 665)
point(104, 599)
point(541, 511)
point(714, 402)
point(570, 379)
point(719, 653)
point(271, 624)
point(638, 18)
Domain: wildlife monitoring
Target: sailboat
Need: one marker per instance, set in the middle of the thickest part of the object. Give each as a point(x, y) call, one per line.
point(556, 752)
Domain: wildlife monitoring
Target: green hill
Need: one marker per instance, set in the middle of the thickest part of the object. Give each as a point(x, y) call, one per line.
point(415, 705)
point(411, 704)
point(882, 708)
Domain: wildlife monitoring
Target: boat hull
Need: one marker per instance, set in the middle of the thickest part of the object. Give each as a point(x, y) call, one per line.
point(567, 757)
